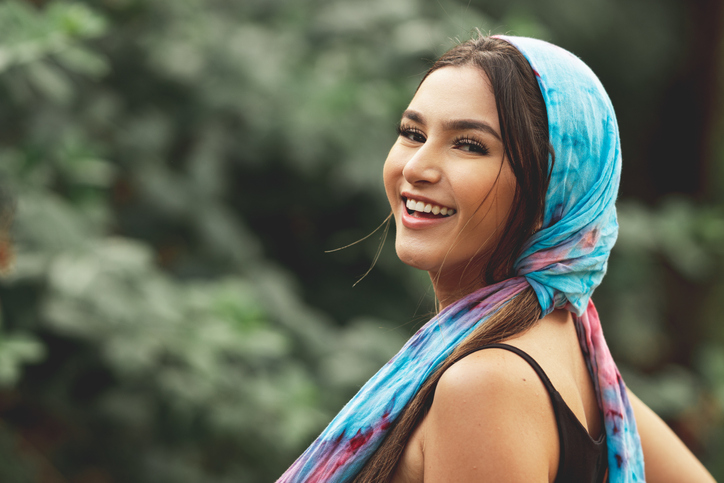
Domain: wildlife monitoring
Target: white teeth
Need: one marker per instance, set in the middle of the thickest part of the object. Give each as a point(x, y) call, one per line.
point(428, 208)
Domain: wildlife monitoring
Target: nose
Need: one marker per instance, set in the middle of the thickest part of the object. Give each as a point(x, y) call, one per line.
point(423, 167)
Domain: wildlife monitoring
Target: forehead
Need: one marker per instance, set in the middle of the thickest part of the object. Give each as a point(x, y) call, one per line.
point(456, 92)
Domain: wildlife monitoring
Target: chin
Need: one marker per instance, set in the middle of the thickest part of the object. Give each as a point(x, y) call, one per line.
point(415, 258)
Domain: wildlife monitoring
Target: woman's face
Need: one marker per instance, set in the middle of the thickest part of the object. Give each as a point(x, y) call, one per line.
point(447, 179)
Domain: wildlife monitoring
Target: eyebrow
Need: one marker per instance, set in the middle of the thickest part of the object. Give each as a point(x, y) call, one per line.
point(456, 124)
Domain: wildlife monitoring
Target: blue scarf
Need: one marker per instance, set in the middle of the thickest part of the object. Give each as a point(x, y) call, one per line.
point(563, 262)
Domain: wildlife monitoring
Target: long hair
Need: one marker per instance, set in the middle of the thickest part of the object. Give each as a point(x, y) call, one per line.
point(524, 129)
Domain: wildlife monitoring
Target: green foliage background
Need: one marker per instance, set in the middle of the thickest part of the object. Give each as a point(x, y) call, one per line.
point(175, 170)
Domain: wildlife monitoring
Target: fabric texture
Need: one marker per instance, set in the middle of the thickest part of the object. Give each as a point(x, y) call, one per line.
point(563, 262)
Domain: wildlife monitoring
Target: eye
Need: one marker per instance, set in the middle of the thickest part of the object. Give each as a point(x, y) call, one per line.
point(471, 145)
point(411, 133)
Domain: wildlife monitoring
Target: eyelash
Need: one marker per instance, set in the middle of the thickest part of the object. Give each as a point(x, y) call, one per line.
point(411, 132)
point(480, 148)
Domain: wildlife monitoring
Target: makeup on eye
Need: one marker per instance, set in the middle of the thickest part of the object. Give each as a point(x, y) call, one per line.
point(454, 124)
point(465, 142)
point(473, 145)
point(410, 132)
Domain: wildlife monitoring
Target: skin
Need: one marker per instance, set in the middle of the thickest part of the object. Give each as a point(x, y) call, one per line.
point(450, 152)
point(491, 418)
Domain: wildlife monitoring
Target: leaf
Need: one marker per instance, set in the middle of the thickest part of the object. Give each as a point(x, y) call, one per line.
point(83, 61)
point(16, 350)
point(50, 81)
point(31, 34)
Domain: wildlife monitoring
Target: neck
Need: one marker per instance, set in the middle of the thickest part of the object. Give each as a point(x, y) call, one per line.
point(450, 287)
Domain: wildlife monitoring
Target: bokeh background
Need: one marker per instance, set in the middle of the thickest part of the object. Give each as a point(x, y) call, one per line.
point(172, 172)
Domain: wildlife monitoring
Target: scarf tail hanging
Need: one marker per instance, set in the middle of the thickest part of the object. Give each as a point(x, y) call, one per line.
point(625, 457)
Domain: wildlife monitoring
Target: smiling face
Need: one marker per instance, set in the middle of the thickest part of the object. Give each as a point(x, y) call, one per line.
point(447, 179)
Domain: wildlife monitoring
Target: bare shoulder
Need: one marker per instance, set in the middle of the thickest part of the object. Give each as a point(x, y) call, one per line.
point(491, 420)
point(497, 374)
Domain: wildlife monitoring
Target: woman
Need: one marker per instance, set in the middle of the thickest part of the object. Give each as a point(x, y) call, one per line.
point(502, 183)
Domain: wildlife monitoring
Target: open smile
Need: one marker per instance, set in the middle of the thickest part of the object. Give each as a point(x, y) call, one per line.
point(424, 209)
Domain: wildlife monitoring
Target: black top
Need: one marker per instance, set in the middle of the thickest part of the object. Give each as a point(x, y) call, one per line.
point(582, 460)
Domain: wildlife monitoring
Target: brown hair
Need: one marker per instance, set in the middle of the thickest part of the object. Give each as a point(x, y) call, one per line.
point(524, 129)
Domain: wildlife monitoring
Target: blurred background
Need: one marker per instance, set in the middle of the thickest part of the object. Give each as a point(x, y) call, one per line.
point(172, 172)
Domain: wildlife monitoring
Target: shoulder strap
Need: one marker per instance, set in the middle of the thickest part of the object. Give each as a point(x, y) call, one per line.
point(538, 369)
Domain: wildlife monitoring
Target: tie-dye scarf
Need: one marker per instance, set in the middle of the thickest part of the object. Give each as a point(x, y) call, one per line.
point(563, 262)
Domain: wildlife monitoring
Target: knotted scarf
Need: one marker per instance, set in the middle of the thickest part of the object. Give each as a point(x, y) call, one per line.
point(563, 262)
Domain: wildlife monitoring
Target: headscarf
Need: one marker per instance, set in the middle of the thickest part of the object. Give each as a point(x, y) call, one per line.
point(563, 262)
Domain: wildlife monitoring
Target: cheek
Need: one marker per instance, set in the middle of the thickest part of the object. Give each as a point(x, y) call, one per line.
point(475, 187)
point(488, 195)
point(391, 174)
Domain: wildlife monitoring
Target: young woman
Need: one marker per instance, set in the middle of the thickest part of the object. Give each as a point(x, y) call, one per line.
point(502, 183)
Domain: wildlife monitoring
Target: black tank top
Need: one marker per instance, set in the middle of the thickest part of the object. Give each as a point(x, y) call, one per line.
point(582, 460)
